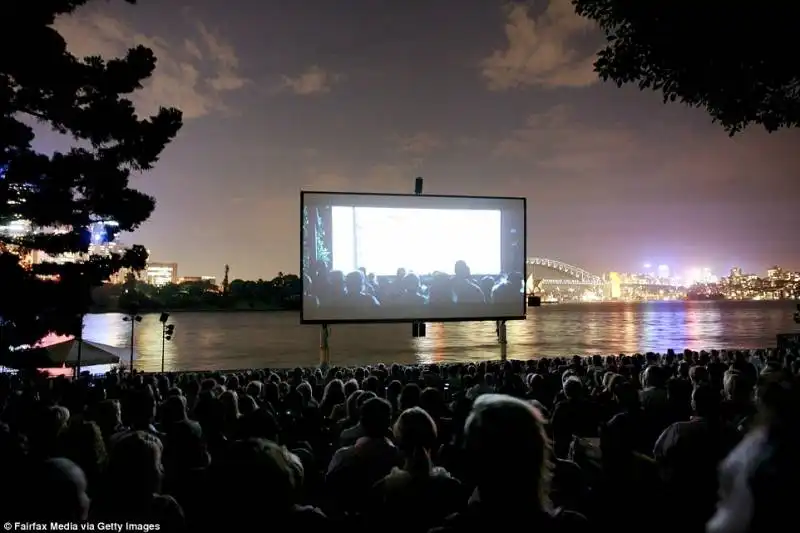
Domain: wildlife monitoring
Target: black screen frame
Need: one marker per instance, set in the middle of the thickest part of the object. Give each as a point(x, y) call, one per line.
point(487, 318)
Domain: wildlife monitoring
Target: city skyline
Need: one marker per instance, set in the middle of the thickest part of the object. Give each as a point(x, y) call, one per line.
point(480, 101)
point(686, 276)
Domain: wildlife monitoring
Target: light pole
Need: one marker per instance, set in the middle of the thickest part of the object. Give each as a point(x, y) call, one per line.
point(80, 346)
point(133, 318)
point(167, 330)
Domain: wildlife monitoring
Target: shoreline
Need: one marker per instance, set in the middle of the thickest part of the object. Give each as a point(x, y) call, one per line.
point(198, 310)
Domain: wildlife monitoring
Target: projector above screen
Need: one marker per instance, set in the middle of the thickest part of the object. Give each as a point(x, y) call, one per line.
point(368, 258)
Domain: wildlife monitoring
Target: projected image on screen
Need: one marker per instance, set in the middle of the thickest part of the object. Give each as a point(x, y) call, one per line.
point(368, 257)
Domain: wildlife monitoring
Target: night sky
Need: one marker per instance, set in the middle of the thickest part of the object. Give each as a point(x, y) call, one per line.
point(364, 95)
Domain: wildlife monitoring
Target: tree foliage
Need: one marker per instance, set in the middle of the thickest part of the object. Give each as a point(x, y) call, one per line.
point(735, 59)
point(282, 292)
point(88, 101)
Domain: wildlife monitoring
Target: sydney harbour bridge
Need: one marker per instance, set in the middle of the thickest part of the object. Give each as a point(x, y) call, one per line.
point(545, 275)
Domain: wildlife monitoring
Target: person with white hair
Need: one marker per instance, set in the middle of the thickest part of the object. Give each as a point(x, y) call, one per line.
point(509, 460)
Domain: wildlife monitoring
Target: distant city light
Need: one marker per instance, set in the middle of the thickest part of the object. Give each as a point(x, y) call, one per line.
point(700, 275)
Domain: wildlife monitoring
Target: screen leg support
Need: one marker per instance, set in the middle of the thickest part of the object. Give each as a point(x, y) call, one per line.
point(324, 346)
point(502, 338)
point(502, 333)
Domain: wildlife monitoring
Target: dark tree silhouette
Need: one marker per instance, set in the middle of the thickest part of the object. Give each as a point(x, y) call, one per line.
point(62, 194)
point(225, 282)
point(735, 59)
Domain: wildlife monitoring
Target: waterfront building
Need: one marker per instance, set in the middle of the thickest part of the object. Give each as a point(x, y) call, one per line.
point(212, 280)
point(160, 274)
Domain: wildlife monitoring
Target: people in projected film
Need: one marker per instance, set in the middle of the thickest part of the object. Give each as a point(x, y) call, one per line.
point(325, 288)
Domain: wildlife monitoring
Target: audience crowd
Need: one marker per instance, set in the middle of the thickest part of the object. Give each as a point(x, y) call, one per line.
point(685, 442)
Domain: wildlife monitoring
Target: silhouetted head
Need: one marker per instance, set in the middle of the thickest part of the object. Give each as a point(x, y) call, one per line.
point(654, 376)
point(279, 474)
point(363, 271)
point(61, 487)
point(515, 279)
point(410, 283)
point(336, 279)
point(401, 273)
point(134, 464)
point(573, 388)
point(355, 282)
point(441, 289)
point(416, 436)
point(375, 417)
point(461, 269)
point(185, 448)
point(705, 401)
point(507, 450)
point(778, 394)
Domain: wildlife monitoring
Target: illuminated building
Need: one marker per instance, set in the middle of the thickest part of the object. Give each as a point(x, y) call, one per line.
point(736, 272)
point(160, 274)
point(614, 286)
point(774, 273)
point(211, 280)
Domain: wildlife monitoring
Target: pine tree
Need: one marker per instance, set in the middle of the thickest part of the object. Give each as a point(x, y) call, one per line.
point(58, 196)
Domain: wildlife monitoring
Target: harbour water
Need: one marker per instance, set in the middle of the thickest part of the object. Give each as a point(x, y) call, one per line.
point(230, 340)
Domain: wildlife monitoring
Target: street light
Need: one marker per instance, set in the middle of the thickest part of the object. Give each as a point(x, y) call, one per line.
point(80, 345)
point(167, 330)
point(133, 318)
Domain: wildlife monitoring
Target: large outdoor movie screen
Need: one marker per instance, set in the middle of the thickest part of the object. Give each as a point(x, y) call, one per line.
point(403, 257)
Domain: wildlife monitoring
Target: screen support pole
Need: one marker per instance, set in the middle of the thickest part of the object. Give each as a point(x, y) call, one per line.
point(502, 337)
point(502, 333)
point(418, 327)
point(324, 346)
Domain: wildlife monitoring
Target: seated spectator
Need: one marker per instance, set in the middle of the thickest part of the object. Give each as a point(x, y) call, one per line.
point(132, 487)
point(430, 490)
point(353, 470)
point(573, 416)
point(56, 491)
point(756, 476)
point(509, 457)
point(259, 476)
point(687, 455)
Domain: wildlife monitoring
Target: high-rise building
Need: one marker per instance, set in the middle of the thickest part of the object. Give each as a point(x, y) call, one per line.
point(160, 274)
point(774, 273)
point(736, 272)
point(614, 286)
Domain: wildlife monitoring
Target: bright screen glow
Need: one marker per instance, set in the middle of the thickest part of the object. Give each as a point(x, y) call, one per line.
point(375, 257)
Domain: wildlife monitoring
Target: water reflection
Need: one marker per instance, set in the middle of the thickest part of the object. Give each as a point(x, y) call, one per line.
point(628, 327)
point(240, 340)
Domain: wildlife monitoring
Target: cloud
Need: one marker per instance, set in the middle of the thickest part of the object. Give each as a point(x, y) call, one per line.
point(321, 179)
point(419, 144)
point(195, 75)
point(569, 156)
point(379, 178)
point(542, 51)
point(314, 80)
point(555, 141)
